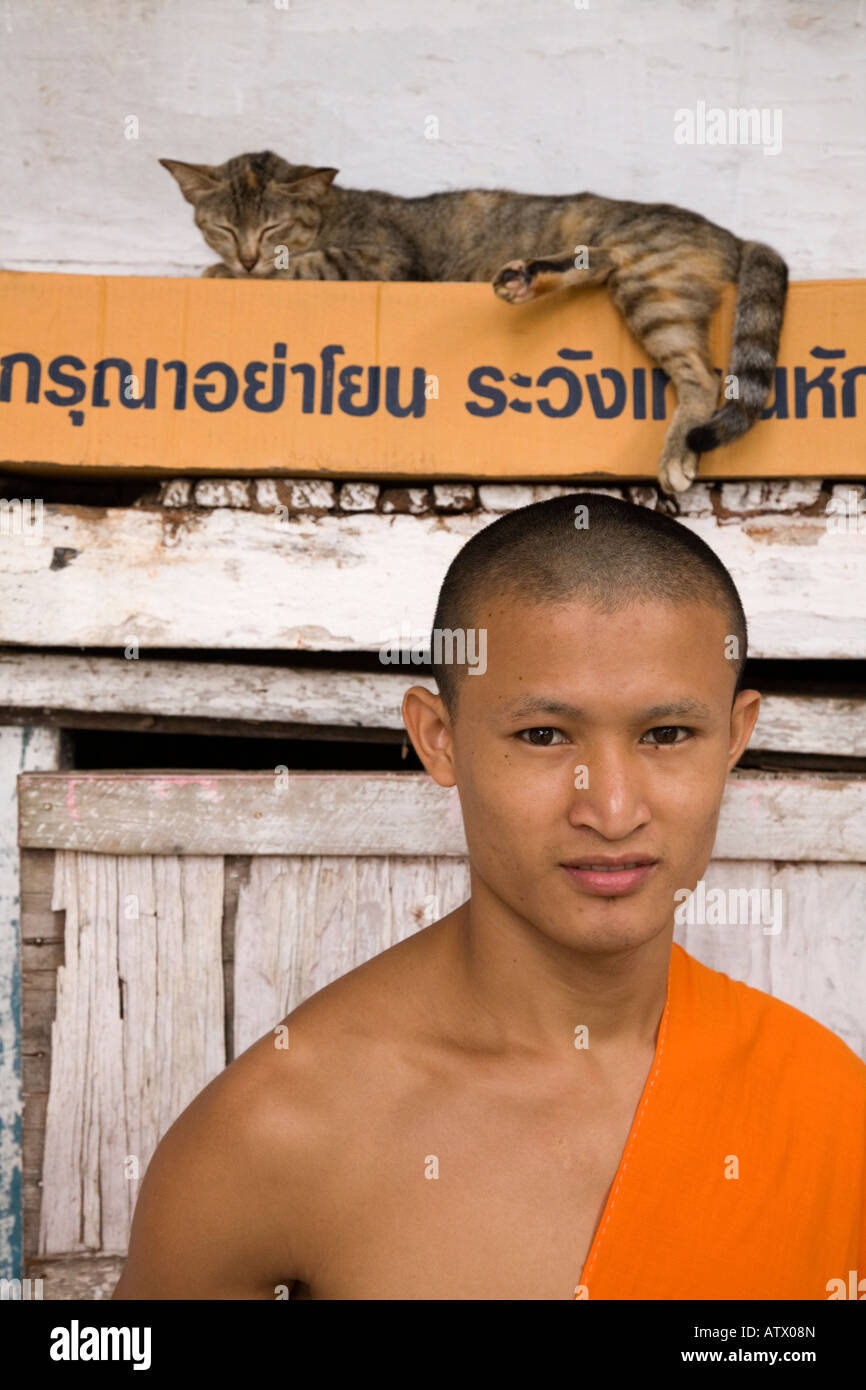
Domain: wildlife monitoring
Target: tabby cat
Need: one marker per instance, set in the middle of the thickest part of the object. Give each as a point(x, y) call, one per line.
point(663, 267)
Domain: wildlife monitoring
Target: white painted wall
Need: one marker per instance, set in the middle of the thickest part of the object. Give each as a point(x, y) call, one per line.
point(539, 95)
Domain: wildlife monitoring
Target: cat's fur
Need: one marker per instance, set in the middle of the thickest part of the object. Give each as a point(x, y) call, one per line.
point(663, 267)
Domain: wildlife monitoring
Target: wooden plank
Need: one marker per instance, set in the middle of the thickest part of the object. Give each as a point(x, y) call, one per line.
point(303, 922)
point(792, 817)
point(138, 1032)
point(41, 953)
point(827, 725)
point(86, 1003)
point(815, 960)
point(282, 697)
point(228, 578)
point(240, 813)
point(20, 748)
point(205, 690)
point(83, 1278)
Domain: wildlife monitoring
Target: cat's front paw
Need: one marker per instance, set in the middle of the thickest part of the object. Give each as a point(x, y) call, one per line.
point(218, 271)
point(515, 283)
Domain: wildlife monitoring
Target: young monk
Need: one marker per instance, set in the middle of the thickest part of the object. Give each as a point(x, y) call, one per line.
point(540, 1096)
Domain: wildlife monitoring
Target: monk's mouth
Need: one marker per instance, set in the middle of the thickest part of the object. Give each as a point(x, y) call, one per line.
point(608, 878)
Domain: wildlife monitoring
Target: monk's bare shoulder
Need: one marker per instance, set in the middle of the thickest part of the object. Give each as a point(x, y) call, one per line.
point(358, 1026)
point(234, 1201)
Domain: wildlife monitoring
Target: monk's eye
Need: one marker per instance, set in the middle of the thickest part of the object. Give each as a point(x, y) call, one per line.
point(544, 742)
point(667, 735)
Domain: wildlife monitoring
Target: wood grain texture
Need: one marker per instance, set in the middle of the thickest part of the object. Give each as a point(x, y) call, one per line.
point(793, 817)
point(811, 724)
point(226, 578)
point(137, 1034)
point(361, 700)
point(85, 1278)
point(304, 921)
point(817, 961)
point(42, 947)
point(21, 748)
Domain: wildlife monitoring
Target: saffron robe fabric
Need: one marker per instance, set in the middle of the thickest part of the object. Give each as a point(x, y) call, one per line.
point(744, 1173)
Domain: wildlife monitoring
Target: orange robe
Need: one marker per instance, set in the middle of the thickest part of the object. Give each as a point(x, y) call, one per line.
point(744, 1173)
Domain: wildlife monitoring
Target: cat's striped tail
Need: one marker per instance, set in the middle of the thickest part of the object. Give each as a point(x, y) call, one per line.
point(761, 288)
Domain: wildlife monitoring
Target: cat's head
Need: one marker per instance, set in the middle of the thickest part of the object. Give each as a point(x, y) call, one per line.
point(254, 204)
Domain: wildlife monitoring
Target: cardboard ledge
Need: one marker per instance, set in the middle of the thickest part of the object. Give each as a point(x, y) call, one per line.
point(160, 376)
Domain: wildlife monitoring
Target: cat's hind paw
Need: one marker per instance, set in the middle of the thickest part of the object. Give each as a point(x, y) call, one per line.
point(515, 282)
point(677, 473)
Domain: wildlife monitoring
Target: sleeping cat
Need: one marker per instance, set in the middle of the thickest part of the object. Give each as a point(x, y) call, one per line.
point(663, 267)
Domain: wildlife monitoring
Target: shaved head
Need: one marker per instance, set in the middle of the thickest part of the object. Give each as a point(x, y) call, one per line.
point(606, 552)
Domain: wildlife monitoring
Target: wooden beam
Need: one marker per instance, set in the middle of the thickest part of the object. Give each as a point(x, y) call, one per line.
point(81, 1278)
point(811, 724)
point(134, 579)
point(211, 690)
point(789, 817)
point(281, 702)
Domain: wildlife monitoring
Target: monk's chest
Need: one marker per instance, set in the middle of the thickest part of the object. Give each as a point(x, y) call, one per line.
point(474, 1202)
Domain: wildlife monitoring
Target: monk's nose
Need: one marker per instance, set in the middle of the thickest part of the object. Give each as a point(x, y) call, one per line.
point(248, 259)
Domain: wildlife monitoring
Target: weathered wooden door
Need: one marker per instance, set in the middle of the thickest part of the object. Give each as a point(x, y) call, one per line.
point(170, 919)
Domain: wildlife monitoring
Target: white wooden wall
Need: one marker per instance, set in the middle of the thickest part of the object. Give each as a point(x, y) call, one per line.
point(544, 97)
point(236, 578)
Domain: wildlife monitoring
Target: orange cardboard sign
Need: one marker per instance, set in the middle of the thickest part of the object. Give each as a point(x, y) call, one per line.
point(357, 379)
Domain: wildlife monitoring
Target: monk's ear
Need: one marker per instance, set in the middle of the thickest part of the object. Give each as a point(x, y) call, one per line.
point(194, 179)
point(313, 185)
point(744, 717)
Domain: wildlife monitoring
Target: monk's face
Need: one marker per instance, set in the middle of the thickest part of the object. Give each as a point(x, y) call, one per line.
point(591, 741)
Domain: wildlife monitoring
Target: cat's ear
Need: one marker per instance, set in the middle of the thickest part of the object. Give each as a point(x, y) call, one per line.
point(312, 185)
point(194, 179)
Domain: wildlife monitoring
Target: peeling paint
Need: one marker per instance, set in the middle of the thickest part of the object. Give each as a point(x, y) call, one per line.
point(210, 786)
